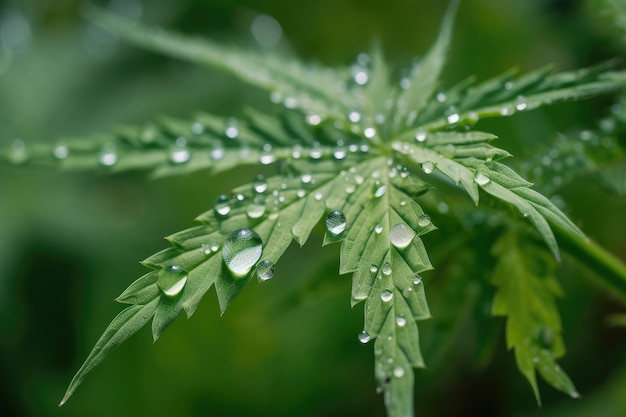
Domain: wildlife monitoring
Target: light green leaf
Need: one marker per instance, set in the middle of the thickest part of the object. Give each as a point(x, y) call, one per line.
point(525, 296)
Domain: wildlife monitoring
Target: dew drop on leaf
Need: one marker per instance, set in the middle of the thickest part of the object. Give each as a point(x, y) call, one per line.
point(420, 135)
point(241, 251)
point(354, 116)
point(423, 220)
point(217, 153)
point(378, 229)
point(417, 279)
point(373, 268)
point(481, 179)
point(428, 167)
point(386, 296)
point(401, 235)
point(265, 269)
point(108, 157)
point(61, 152)
point(336, 222)
point(369, 132)
point(259, 185)
point(222, 205)
point(379, 189)
point(255, 210)
point(172, 280)
point(339, 153)
point(364, 337)
point(398, 372)
point(401, 321)
point(386, 268)
point(180, 155)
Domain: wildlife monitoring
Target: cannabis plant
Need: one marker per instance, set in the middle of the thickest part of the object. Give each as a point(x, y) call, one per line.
point(370, 156)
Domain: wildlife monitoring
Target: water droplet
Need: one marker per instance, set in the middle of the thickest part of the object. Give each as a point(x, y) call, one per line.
point(428, 167)
point(316, 151)
point(265, 269)
point(339, 153)
point(61, 152)
point(172, 280)
point(313, 119)
point(231, 130)
point(266, 158)
point(441, 97)
point(423, 220)
point(369, 132)
point(266, 30)
point(361, 77)
point(521, 103)
point(401, 235)
point(354, 116)
point(336, 222)
point(318, 196)
point(217, 153)
point(481, 179)
point(373, 268)
point(242, 250)
point(421, 135)
point(180, 155)
point(255, 210)
point(380, 189)
point(222, 205)
point(350, 188)
point(387, 268)
point(364, 337)
point(378, 229)
point(398, 372)
point(306, 178)
point(401, 321)
point(417, 279)
point(386, 296)
point(454, 118)
point(260, 184)
point(108, 157)
point(197, 128)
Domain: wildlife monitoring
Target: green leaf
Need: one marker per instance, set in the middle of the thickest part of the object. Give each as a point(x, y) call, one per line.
point(525, 296)
point(314, 90)
point(127, 323)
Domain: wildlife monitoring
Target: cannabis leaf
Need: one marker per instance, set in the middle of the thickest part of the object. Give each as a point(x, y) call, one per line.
point(354, 149)
point(526, 292)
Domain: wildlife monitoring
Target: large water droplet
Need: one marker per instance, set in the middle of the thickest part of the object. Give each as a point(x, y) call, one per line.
point(378, 229)
point(373, 268)
point(172, 280)
point(387, 268)
point(369, 132)
point(398, 372)
point(428, 167)
point(265, 269)
point(336, 222)
point(364, 337)
point(481, 179)
point(401, 235)
point(354, 116)
point(222, 205)
point(417, 279)
point(241, 251)
point(379, 189)
point(401, 321)
point(386, 296)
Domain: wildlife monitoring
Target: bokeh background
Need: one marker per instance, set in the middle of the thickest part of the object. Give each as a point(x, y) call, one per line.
point(70, 243)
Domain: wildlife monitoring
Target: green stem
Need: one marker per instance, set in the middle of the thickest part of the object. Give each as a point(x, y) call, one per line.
point(609, 269)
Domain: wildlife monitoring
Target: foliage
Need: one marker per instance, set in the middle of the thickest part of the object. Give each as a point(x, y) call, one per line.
point(363, 153)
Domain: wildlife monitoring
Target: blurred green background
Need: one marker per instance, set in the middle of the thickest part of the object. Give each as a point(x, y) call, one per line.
point(69, 243)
